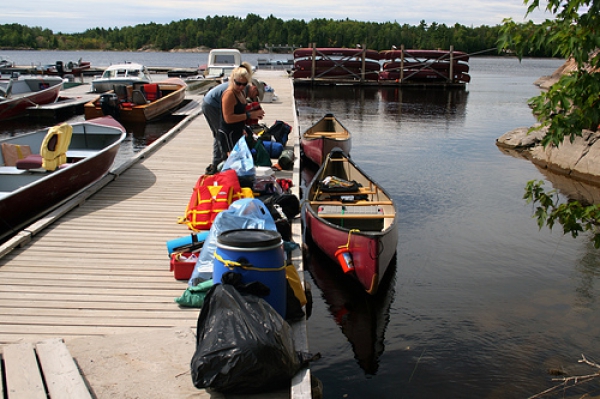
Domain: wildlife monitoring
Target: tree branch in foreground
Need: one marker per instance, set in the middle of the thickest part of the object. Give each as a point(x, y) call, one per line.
point(570, 382)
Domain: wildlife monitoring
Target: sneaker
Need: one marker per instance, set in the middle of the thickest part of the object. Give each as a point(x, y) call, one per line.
point(210, 170)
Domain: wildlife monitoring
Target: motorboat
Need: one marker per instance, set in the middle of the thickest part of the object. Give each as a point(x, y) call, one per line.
point(5, 62)
point(70, 158)
point(221, 62)
point(121, 74)
point(138, 102)
point(16, 95)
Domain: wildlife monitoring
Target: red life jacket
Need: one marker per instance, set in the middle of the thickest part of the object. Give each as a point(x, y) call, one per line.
point(211, 195)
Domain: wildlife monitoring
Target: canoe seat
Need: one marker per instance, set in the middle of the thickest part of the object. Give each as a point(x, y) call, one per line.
point(352, 216)
point(352, 211)
point(316, 135)
point(364, 218)
point(355, 203)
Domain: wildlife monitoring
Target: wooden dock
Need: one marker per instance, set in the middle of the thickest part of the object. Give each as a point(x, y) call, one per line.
point(95, 272)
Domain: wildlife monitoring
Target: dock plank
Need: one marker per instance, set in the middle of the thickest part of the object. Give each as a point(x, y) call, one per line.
point(60, 371)
point(21, 380)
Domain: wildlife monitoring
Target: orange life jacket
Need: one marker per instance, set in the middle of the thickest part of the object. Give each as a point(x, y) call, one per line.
point(211, 195)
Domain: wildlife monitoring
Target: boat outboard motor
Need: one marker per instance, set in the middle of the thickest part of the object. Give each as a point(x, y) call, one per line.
point(109, 102)
point(60, 68)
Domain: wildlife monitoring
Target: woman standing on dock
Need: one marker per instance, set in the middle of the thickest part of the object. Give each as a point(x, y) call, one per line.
point(233, 105)
point(212, 110)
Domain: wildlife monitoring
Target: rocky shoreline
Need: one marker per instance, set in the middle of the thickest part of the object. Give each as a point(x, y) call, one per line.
point(579, 159)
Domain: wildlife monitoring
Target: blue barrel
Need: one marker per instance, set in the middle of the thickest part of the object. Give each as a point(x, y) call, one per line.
point(258, 256)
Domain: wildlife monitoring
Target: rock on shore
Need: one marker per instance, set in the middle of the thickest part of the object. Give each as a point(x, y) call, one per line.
point(579, 159)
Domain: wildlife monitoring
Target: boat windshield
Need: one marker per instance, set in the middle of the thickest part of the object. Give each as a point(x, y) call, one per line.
point(224, 59)
point(112, 73)
point(124, 72)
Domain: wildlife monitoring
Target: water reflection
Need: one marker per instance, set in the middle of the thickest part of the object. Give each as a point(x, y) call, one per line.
point(587, 278)
point(17, 126)
point(583, 192)
point(397, 101)
point(340, 99)
point(363, 318)
point(484, 301)
point(145, 134)
point(587, 268)
point(391, 102)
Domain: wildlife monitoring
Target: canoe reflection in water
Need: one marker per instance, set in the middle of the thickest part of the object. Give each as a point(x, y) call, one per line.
point(363, 318)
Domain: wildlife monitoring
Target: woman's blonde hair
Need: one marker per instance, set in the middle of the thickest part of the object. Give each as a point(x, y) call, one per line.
point(248, 67)
point(240, 72)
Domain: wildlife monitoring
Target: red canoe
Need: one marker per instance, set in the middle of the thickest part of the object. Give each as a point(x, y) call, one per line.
point(355, 226)
point(329, 52)
point(370, 65)
point(335, 73)
point(423, 75)
point(322, 137)
point(423, 54)
point(434, 65)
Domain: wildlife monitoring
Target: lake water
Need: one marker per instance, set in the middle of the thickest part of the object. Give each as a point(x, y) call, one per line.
point(480, 303)
point(106, 58)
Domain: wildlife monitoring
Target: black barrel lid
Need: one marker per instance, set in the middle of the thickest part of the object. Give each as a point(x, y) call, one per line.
point(249, 238)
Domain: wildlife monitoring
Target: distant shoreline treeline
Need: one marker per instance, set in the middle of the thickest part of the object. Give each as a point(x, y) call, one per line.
point(253, 32)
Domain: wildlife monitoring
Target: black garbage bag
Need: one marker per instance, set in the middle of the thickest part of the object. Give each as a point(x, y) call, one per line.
point(243, 345)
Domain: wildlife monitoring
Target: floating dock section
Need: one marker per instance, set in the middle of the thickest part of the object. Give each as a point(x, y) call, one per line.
point(361, 66)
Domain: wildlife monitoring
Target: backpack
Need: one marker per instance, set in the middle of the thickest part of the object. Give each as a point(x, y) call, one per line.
point(280, 131)
point(289, 203)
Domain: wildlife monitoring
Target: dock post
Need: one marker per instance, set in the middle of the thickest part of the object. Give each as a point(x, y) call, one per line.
point(314, 63)
point(363, 64)
point(451, 73)
point(402, 63)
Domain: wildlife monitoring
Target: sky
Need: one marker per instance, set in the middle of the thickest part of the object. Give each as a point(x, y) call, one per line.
point(75, 16)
